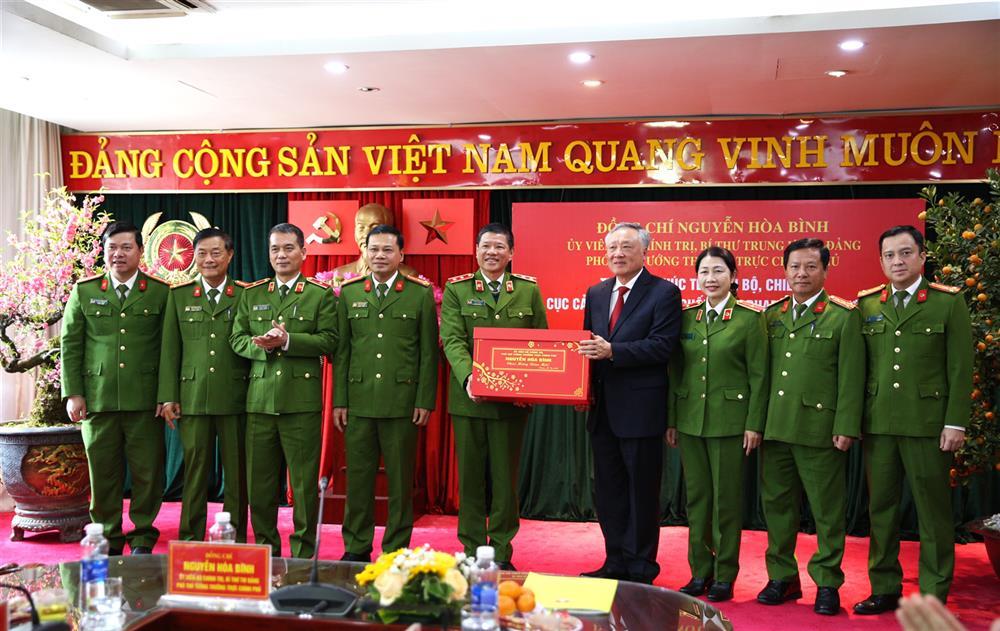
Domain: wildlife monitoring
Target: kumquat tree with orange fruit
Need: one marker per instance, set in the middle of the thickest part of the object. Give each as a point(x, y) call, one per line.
point(966, 253)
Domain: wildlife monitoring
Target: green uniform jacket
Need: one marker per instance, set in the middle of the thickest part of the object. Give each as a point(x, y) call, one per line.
point(817, 372)
point(286, 381)
point(920, 365)
point(110, 351)
point(198, 367)
point(387, 356)
point(719, 379)
point(468, 304)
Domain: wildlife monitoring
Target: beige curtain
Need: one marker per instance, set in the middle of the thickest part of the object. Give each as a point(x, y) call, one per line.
point(29, 147)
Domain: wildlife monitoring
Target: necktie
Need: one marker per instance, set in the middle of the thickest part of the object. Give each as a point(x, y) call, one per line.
point(495, 289)
point(283, 292)
point(617, 311)
point(122, 292)
point(712, 315)
point(800, 310)
point(381, 291)
point(900, 298)
point(213, 295)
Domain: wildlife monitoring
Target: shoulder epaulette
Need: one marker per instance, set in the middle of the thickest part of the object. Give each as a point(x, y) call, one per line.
point(90, 278)
point(695, 305)
point(460, 278)
point(185, 283)
point(777, 302)
point(256, 283)
point(945, 288)
point(530, 279)
point(746, 304)
point(318, 283)
point(352, 279)
point(869, 292)
point(241, 283)
point(158, 279)
point(837, 300)
point(418, 280)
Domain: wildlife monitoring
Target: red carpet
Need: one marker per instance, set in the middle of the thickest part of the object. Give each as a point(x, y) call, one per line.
point(570, 548)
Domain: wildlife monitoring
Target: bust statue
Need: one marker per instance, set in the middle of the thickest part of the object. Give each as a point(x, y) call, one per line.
point(368, 216)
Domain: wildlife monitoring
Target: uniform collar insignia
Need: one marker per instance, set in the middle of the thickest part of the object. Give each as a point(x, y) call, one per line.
point(197, 291)
point(727, 314)
point(820, 306)
point(399, 285)
point(479, 285)
point(368, 285)
point(921, 295)
point(884, 295)
point(784, 306)
point(300, 287)
point(142, 284)
point(270, 287)
point(510, 286)
point(697, 318)
point(104, 284)
point(229, 290)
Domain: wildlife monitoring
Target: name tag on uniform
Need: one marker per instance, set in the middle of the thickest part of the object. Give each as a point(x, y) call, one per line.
point(687, 336)
point(262, 307)
point(475, 302)
point(98, 301)
point(776, 323)
point(192, 308)
point(358, 305)
point(875, 318)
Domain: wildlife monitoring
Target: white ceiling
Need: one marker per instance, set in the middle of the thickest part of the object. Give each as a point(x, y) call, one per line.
point(257, 64)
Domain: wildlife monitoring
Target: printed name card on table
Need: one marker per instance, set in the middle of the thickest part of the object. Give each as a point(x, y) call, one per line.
point(227, 570)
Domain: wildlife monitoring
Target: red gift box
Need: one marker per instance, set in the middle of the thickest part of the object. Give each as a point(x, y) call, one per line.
point(530, 365)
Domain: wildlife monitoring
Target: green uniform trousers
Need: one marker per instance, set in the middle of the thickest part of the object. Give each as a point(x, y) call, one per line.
point(197, 434)
point(107, 436)
point(713, 478)
point(789, 469)
point(364, 440)
point(488, 451)
point(298, 437)
point(920, 459)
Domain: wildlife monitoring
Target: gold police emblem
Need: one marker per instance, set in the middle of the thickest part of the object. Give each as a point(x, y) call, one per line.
point(170, 247)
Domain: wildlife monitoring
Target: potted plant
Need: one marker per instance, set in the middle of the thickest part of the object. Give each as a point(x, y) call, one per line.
point(42, 460)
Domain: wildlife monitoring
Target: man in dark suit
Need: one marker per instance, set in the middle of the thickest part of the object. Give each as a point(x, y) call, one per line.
point(635, 322)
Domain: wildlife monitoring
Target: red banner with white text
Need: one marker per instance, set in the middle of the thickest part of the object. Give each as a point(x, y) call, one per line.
point(929, 147)
point(562, 244)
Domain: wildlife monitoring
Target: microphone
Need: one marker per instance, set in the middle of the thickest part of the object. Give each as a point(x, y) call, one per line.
point(315, 597)
point(35, 623)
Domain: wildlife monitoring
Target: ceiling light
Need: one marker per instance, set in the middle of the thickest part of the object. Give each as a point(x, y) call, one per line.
point(580, 57)
point(368, 88)
point(851, 45)
point(592, 83)
point(836, 74)
point(335, 67)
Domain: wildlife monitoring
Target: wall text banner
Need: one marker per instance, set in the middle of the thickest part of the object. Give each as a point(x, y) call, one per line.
point(562, 244)
point(957, 146)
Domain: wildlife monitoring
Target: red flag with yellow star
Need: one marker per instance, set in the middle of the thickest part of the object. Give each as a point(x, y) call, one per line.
point(438, 226)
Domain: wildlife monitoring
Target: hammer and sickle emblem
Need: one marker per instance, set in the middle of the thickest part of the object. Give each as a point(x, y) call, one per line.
point(323, 223)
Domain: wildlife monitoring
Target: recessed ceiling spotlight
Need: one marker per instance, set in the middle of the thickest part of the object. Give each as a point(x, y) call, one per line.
point(851, 44)
point(335, 67)
point(580, 57)
point(836, 74)
point(592, 83)
point(368, 88)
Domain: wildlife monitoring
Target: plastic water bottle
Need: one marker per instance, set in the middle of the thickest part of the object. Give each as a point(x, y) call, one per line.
point(94, 560)
point(222, 530)
point(484, 590)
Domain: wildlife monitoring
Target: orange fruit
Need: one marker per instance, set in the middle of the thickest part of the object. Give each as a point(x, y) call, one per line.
point(989, 338)
point(968, 235)
point(982, 297)
point(989, 416)
point(946, 270)
point(922, 215)
point(977, 227)
point(940, 202)
point(981, 346)
point(506, 605)
point(510, 588)
point(977, 201)
point(975, 260)
point(970, 282)
point(526, 602)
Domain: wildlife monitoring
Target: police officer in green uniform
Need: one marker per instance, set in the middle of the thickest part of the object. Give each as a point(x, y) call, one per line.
point(813, 416)
point(203, 379)
point(487, 435)
point(285, 325)
point(386, 371)
point(919, 341)
point(110, 354)
point(718, 380)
